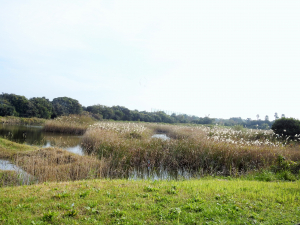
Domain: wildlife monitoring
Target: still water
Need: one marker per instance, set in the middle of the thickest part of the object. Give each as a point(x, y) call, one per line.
point(23, 177)
point(34, 135)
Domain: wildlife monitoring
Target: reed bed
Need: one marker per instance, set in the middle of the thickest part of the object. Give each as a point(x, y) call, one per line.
point(129, 130)
point(72, 124)
point(197, 149)
point(54, 164)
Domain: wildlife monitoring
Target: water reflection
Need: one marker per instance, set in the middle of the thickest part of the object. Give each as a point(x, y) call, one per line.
point(161, 136)
point(160, 174)
point(23, 177)
point(34, 135)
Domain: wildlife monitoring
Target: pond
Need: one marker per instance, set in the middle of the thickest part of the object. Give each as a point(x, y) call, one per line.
point(23, 177)
point(161, 136)
point(34, 135)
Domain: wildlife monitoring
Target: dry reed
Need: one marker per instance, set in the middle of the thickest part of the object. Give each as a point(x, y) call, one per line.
point(72, 124)
point(54, 164)
point(195, 149)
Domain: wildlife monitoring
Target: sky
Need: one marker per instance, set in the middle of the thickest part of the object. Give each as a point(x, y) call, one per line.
point(233, 58)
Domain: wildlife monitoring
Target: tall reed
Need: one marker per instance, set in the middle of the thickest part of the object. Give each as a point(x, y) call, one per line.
point(54, 164)
point(196, 149)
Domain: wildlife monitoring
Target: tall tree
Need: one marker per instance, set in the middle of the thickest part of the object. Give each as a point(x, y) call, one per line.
point(42, 107)
point(20, 103)
point(6, 109)
point(65, 106)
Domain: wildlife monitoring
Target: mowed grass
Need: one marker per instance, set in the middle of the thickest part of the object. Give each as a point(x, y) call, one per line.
point(207, 201)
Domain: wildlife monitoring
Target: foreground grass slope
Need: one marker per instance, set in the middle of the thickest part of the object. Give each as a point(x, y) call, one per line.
point(209, 201)
point(9, 149)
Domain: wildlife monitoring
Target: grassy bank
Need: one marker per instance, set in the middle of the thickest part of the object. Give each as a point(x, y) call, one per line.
point(72, 124)
point(9, 149)
point(210, 201)
point(12, 120)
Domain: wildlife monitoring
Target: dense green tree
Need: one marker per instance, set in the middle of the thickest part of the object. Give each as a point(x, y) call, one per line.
point(20, 103)
point(125, 113)
point(6, 109)
point(42, 107)
point(135, 115)
point(65, 106)
point(108, 113)
point(286, 127)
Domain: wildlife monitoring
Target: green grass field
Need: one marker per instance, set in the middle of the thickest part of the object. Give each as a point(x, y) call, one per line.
point(207, 201)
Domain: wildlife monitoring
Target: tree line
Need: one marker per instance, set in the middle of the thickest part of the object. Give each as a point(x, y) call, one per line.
point(20, 106)
point(41, 107)
point(248, 123)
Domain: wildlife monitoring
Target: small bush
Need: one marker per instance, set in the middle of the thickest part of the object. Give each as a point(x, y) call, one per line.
point(287, 176)
point(48, 217)
point(287, 127)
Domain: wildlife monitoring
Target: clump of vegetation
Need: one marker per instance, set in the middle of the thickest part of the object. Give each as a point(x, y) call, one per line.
point(9, 178)
point(287, 128)
point(54, 164)
point(51, 164)
point(72, 124)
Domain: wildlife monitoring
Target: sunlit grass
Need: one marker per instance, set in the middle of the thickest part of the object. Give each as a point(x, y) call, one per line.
point(206, 201)
point(9, 149)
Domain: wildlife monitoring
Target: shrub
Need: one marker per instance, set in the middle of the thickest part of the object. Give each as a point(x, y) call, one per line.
point(287, 127)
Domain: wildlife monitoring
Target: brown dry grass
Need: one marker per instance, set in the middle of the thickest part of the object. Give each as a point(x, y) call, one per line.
point(191, 149)
point(72, 124)
point(54, 164)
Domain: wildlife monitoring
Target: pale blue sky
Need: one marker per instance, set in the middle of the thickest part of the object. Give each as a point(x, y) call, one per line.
point(223, 58)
